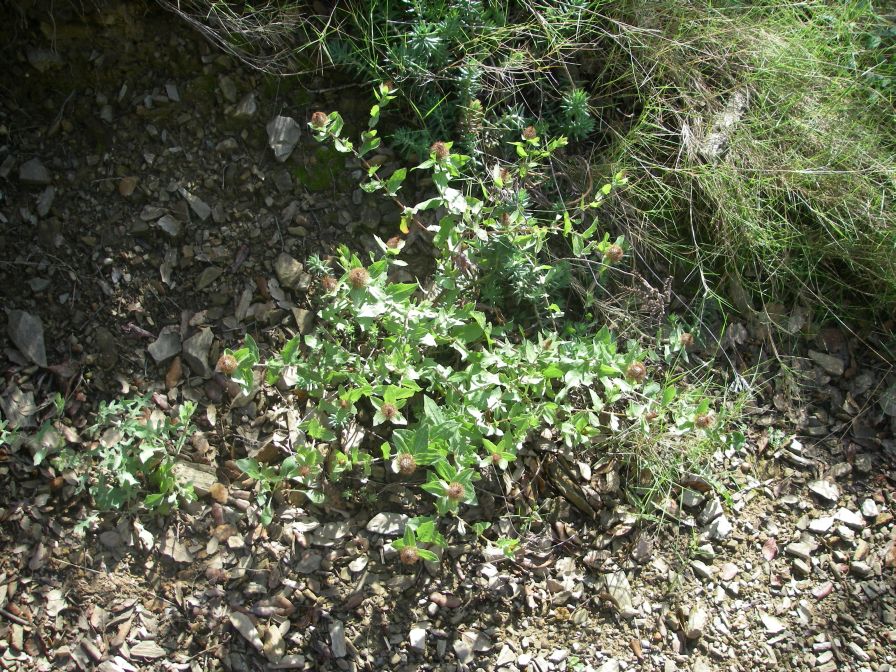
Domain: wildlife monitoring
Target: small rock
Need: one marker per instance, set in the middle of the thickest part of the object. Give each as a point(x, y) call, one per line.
point(850, 518)
point(247, 107)
point(195, 352)
point(799, 550)
point(478, 641)
point(43, 59)
point(26, 331)
point(524, 660)
point(505, 657)
point(387, 524)
point(172, 92)
point(620, 593)
point(208, 276)
point(304, 320)
point(165, 346)
point(227, 88)
point(107, 355)
point(417, 639)
point(772, 624)
point(832, 365)
point(612, 665)
point(558, 656)
point(45, 201)
point(821, 525)
point(197, 205)
point(826, 490)
point(169, 225)
point(34, 173)
point(702, 570)
point(720, 528)
point(463, 651)
point(861, 569)
point(711, 511)
point(337, 639)
point(696, 624)
point(244, 625)
point(870, 508)
point(283, 135)
point(691, 498)
point(288, 270)
point(149, 650)
point(127, 185)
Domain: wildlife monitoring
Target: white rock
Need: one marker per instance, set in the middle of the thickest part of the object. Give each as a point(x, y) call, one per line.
point(825, 490)
point(870, 508)
point(417, 639)
point(388, 524)
point(850, 518)
point(337, 639)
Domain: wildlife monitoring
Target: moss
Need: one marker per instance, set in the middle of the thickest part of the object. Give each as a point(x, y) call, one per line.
point(321, 171)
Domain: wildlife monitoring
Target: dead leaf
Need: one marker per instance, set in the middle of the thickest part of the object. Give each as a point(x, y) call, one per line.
point(175, 371)
point(244, 625)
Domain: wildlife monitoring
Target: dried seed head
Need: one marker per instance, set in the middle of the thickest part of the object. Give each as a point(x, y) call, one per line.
point(304, 471)
point(636, 371)
point(393, 242)
point(226, 364)
point(614, 254)
point(329, 283)
point(496, 458)
point(686, 339)
point(408, 555)
point(529, 133)
point(439, 150)
point(389, 85)
point(319, 119)
point(705, 420)
point(359, 277)
point(343, 404)
point(505, 219)
point(389, 411)
point(407, 465)
point(455, 491)
point(651, 416)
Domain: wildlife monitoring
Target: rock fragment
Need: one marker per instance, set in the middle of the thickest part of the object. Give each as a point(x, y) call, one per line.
point(34, 173)
point(387, 524)
point(26, 331)
point(283, 135)
point(165, 346)
point(195, 352)
point(288, 270)
point(832, 365)
point(825, 490)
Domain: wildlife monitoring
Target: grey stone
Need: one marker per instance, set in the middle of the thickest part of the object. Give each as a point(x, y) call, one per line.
point(463, 651)
point(832, 365)
point(850, 518)
point(107, 347)
point(170, 225)
point(208, 276)
point(45, 201)
point(227, 88)
point(702, 570)
point(612, 665)
point(870, 508)
point(799, 550)
point(26, 331)
point(246, 108)
point(720, 528)
point(337, 639)
point(826, 490)
point(711, 511)
point(620, 593)
point(288, 270)
point(165, 346)
point(197, 205)
point(387, 524)
point(195, 351)
point(821, 525)
point(304, 320)
point(696, 624)
point(34, 173)
point(283, 135)
point(417, 639)
point(43, 59)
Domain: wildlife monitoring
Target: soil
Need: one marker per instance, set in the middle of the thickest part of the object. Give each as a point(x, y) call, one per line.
point(139, 198)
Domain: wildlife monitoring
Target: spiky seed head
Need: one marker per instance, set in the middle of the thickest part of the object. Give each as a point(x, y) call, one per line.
point(496, 458)
point(226, 364)
point(705, 420)
point(409, 555)
point(407, 465)
point(439, 150)
point(505, 219)
point(529, 133)
point(319, 119)
point(636, 371)
point(686, 339)
point(304, 471)
point(614, 254)
point(389, 411)
point(455, 491)
point(329, 283)
point(393, 242)
point(359, 277)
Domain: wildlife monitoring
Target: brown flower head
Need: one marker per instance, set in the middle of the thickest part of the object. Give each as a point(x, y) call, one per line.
point(636, 371)
point(304, 471)
point(407, 465)
point(614, 254)
point(319, 119)
point(686, 339)
point(705, 420)
point(408, 555)
point(329, 283)
point(389, 411)
point(496, 458)
point(455, 491)
point(439, 150)
point(359, 277)
point(529, 133)
point(226, 364)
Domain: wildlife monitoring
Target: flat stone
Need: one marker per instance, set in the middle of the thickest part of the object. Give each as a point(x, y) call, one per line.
point(107, 348)
point(197, 205)
point(42, 59)
point(200, 476)
point(227, 87)
point(170, 226)
point(832, 365)
point(720, 528)
point(702, 570)
point(165, 346)
point(45, 201)
point(283, 135)
point(26, 331)
point(247, 107)
point(463, 651)
point(850, 518)
point(620, 593)
point(870, 509)
point(711, 511)
point(773, 625)
point(826, 490)
point(304, 320)
point(195, 352)
point(799, 550)
point(127, 185)
point(388, 524)
point(337, 639)
point(691, 498)
point(611, 665)
point(208, 276)
point(289, 270)
point(821, 525)
point(417, 639)
point(34, 173)
point(698, 617)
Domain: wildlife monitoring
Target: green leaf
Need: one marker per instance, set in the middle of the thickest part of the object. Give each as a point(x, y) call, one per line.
point(250, 467)
point(429, 556)
point(393, 183)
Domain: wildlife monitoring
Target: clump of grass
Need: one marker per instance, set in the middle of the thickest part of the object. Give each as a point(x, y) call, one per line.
point(761, 153)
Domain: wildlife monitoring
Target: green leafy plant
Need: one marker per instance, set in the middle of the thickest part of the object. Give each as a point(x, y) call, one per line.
point(131, 456)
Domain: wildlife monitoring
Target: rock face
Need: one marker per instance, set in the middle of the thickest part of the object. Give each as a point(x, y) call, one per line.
point(283, 134)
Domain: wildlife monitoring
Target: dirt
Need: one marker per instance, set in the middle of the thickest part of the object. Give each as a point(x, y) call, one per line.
point(157, 206)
